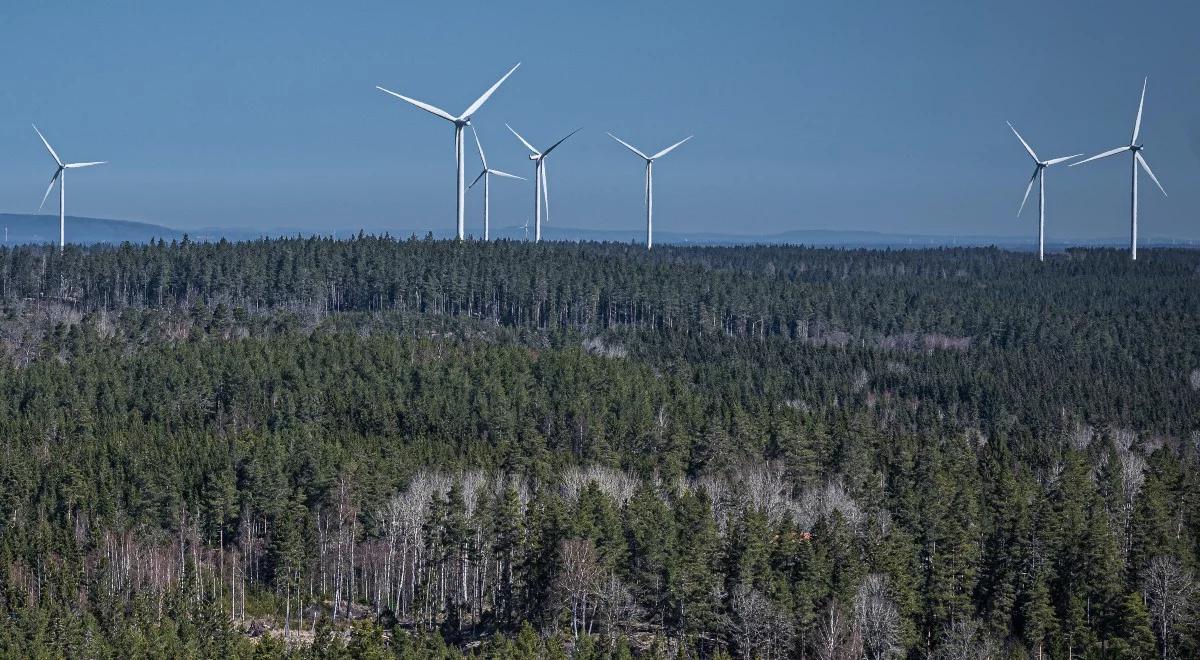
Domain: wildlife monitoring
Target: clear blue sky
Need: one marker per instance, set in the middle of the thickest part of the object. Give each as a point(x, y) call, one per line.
point(807, 115)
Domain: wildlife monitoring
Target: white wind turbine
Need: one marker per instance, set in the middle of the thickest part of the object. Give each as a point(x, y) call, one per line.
point(1039, 173)
point(650, 182)
point(541, 192)
point(1136, 150)
point(486, 175)
point(460, 122)
point(61, 177)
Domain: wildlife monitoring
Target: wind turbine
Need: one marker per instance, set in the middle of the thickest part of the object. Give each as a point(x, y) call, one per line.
point(1039, 173)
point(541, 191)
point(60, 175)
point(486, 175)
point(1136, 150)
point(650, 182)
point(459, 122)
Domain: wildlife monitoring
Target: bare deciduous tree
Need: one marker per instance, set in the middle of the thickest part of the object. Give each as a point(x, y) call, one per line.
point(817, 502)
point(471, 483)
point(614, 483)
point(616, 608)
point(578, 580)
point(1080, 438)
point(346, 518)
point(413, 507)
point(764, 488)
point(719, 494)
point(1123, 439)
point(877, 619)
point(965, 639)
point(1133, 475)
point(1169, 589)
point(835, 637)
point(762, 628)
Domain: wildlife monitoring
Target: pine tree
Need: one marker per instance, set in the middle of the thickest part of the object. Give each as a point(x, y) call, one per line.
point(1155, 515)
point(1069, 496)
point(546, 528)
point(367, 642)
point(691, 573)
point(326, 644)
point(506, 531)
point(649, 531)
point(597, 517)
point(529, 645)
point(1133, 636)
point(949, 547)
point(1038, 620)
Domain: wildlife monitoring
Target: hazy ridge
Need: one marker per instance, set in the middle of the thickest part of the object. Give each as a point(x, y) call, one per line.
point(23, 229)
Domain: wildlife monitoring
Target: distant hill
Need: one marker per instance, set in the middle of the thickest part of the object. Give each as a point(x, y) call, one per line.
point(36, 229)
point(827, 238)
point(23, 229)
point(800, 237)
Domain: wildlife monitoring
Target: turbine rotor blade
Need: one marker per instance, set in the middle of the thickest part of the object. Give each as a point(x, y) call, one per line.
point(1146, 166)
point(506, 174)
point(523, 140)
point(671, 148)
point(49, 188)
point(424, 106)
point(1023, 142)
point(466, 115)
point(1056, 161)
point(1137, 124)
point(1106, 154)
point(627, 145)
point(547, 152)
point(1027, 189)
point(48, 147)
point(72, 166)
point(481, 175)
point(479, 146)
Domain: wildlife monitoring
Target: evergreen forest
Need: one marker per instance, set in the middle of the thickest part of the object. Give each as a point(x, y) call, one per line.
point(381, 448)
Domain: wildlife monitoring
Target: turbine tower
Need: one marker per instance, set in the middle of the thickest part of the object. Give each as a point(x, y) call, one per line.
point(541, 192)
point(1039, 173)
point(1135, 149)
point(486, 175)
point(650, 182)
point(60, 175)
point(460, 122)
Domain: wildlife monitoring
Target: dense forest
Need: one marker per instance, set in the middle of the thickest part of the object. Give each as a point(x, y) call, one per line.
point(376, 448)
